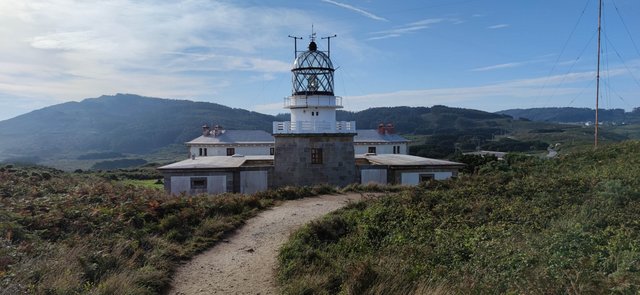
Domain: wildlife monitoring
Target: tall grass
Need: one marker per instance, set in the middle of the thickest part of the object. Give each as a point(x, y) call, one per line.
point(83, 233)
point(519, 226)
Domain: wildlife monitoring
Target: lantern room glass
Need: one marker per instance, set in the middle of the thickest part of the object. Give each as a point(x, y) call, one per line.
point(312, 73)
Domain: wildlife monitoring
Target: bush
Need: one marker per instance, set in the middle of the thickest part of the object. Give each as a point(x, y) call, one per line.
point(520, 226)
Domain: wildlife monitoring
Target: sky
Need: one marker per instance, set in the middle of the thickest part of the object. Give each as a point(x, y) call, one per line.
point(489, 55)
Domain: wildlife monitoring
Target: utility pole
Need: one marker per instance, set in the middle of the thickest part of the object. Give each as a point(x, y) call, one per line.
point(595, 143)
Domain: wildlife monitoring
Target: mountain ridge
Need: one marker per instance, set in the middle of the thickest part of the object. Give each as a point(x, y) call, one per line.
point(129, 126)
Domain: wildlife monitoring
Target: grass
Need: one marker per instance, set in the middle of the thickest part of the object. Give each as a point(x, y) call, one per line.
point(145, 183)
point(519, 226)
point(95, 233)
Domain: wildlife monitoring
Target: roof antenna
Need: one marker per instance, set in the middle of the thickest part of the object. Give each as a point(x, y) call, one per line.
point(329, 44)
point(295, 45)
point(313, 34)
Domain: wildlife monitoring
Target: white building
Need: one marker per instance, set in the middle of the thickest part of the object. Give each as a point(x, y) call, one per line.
point(312, 148)
point(220, 142)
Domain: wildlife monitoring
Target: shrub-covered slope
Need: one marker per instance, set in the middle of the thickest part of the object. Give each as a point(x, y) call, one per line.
point(68, 233)
point(521, 226)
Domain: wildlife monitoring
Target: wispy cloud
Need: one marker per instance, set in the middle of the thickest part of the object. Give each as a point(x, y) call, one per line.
point(72, 49)
point(511, 64)
point(405, 29)
point(500, 66)
point(508, 94)
point(356, 9)
point(498, 26)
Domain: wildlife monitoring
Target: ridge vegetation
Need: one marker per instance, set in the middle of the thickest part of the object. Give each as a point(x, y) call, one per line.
point(127, 130)
point(519, 226)
point(109, 233)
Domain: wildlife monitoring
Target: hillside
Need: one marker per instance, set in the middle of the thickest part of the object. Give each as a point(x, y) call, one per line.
point(127, 130)
point(520, 226)
point(123, 123)
point(574, 115)
point(91, 233)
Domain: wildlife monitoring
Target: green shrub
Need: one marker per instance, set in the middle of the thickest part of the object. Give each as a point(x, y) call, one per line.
point(519, 226)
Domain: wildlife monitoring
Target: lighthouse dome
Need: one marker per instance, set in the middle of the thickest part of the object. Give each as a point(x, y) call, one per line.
point(312, 73)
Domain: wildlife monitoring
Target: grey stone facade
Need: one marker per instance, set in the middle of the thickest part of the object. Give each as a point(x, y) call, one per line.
point(293, 163)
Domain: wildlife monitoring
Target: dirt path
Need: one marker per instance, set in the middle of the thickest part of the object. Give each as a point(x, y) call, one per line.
point(245, 262)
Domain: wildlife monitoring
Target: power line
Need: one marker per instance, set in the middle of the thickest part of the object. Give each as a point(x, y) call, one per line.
point(626, 28)
point(564, 47)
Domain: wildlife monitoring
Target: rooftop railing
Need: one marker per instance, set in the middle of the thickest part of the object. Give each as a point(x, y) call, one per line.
point(299, 127)
point(312, 101)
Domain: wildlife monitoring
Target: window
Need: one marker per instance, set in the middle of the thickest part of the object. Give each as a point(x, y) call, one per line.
point(396, 149)
point(426, 177)
point(272, 151)
point(200, 152)
point(231, 151)
point(205, 152)
point(316, 156)
point(199, 183)
point(372, 150)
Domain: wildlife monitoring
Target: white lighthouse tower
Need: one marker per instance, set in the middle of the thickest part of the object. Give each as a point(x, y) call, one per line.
point(312, 102)
point(313, 147)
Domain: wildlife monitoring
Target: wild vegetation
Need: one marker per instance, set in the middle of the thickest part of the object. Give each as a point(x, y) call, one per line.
point(568, 114)
point(519, 226)
point(109, 232)
point(120, 131)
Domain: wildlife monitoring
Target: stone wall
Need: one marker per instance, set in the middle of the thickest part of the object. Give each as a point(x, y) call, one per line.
point(293, 165)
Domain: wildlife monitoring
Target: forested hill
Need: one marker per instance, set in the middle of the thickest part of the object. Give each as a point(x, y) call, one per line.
point(123, 123)
point(566, 115)
point(422, 120)
point(132, 127)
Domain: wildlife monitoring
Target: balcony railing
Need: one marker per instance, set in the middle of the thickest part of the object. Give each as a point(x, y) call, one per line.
point(313, 127)
point(312, 101)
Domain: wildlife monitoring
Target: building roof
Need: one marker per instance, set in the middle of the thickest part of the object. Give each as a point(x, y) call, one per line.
point(405, 160)
point(372, 135)
point(216, 162)
point(260, 136)
point(235, 136)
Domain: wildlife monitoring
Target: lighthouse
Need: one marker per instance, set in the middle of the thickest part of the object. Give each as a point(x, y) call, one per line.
point(313, 147)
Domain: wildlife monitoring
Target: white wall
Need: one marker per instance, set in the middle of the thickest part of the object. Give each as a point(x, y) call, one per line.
point(373, 176)
point(380, 148)
point(323, 115)
point(253, 181)
point(413, 178)
point(242, 150)
point(180, 184)
point(215, 184)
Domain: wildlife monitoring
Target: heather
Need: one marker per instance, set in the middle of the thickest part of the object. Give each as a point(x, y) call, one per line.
point(520, 226)
point(97, 233)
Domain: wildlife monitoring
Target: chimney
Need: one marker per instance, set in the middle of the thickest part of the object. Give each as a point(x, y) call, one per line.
point(381, 128)
point(205, 129)
point(390, 129)
point(217, 130)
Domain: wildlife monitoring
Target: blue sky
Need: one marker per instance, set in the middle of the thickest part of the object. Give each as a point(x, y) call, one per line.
point(481, 54)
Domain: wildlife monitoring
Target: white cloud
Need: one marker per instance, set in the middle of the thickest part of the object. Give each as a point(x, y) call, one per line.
point(513, 93)
point(499, 66)
point(499, 26)
point(73, 49)
point(407, 28)
point(355, 9)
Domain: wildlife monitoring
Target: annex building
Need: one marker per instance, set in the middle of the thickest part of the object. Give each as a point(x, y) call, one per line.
point(312, 148)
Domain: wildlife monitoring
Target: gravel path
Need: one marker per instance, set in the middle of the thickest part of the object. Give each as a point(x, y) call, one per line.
point(245, 262)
